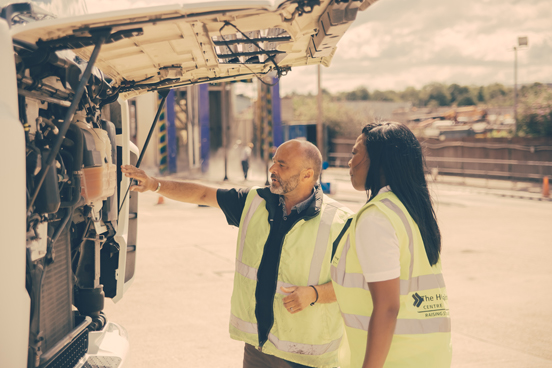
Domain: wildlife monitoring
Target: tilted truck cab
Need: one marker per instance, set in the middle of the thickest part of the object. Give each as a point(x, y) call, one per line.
point(68, 224)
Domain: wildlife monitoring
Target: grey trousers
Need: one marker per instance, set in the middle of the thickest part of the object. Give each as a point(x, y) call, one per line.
point(253, 358)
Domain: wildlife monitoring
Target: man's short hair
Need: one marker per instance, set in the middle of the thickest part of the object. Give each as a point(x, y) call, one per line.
point(313, 158)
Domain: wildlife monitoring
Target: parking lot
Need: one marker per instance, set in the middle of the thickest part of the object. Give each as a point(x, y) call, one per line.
point(497, 253)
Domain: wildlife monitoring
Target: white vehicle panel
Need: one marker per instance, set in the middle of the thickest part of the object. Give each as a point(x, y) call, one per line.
point(176, 45)
point(16, 302)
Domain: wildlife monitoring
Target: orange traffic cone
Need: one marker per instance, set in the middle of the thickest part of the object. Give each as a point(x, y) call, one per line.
point(160, 200)
point(545, 187)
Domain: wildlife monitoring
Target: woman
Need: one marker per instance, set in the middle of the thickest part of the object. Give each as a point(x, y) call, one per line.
point(386, 270)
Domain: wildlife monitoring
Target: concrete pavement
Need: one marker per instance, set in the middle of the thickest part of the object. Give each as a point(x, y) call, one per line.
point(496, 259)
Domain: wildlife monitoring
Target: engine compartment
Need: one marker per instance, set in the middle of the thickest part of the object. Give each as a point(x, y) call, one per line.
point(72, 200)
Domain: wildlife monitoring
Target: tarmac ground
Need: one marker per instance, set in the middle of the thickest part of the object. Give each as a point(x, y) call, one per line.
point(496, 255)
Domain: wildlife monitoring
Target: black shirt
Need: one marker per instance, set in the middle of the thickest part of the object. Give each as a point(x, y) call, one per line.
point(232, 203)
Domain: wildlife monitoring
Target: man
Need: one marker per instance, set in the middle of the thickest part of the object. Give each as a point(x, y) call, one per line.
point(245, 156)
point(283, 304)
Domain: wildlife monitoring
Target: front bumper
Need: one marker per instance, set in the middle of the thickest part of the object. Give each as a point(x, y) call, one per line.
point(108, 348)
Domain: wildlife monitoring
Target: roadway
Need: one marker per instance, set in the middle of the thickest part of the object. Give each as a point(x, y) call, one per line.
point(497, 255)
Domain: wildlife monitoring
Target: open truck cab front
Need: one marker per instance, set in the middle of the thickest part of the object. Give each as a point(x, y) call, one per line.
point(68, 225)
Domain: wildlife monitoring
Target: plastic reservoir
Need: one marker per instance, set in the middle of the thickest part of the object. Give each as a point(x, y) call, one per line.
point(98, 183)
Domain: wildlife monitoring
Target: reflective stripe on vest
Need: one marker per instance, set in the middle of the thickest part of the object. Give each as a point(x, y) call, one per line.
point(254, 204)
point(413, 284)
point(320, 248)
point(357, 280)
point(289, 346)
point(403, 326)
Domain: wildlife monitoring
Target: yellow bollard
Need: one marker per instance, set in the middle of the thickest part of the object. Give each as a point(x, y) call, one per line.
point(545, 187)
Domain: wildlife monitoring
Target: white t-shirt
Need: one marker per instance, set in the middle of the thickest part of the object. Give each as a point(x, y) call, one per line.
point(246, 153)
point(377, 245)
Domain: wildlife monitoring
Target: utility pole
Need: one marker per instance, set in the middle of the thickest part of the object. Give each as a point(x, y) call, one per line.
point(522, 41)
point(319, 122)
point(515, 90)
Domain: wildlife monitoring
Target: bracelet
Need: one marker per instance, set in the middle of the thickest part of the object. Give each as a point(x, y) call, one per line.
point(158, 187)
point(316, 291)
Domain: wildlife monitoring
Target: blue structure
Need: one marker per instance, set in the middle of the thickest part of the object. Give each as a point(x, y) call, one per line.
point(204, 122)
point(204, 125)
point(171, 132)
point(295, 131)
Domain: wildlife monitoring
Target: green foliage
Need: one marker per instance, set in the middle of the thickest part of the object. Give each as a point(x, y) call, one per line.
point(466, 100)
point(435, 94)
point(497, 95)
point(410, 94)
point(535, 111)
point(457, 92)
point(359, 94)
point(340, 119)
point(481, 94)
point(385, 96)
point(534, 105)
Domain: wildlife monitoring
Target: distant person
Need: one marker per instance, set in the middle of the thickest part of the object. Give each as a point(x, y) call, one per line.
point(245, 157)
point(283, 305)
point(386, 271)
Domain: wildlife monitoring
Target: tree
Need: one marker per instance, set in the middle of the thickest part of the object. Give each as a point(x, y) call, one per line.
point(456, 92)
point(466, 100)
point(436, 92)
point(384, 95)
point(495, 90)
point(340, 119)
point(359, 94)
point(481, 95)
point(535, 113)
point(410, 94)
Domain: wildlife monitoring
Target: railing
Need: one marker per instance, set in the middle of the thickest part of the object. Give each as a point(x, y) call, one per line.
point(457, 161)
point(493, 167)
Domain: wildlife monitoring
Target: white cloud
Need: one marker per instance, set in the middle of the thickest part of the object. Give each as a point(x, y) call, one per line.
point(400, 43)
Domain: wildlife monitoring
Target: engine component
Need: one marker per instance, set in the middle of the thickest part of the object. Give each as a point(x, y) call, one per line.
point(48, 200)
point(37, 241)
point(110, 212)
point(99, 173)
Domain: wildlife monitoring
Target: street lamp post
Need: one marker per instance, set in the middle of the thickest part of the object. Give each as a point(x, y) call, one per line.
point(522, 41)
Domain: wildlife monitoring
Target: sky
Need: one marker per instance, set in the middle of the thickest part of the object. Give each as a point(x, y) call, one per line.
point(399, 43)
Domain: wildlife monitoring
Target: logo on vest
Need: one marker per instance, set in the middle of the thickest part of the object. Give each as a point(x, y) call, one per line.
point(434, 305)
point(418, 300)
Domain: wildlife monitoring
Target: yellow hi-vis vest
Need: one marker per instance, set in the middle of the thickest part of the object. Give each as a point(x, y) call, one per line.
point(422, 332)
point(313, 336)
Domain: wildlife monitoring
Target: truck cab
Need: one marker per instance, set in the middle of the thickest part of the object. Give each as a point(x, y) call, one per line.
point(69, 223)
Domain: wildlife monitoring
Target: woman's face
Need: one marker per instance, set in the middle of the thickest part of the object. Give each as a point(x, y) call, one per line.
point(359, 164)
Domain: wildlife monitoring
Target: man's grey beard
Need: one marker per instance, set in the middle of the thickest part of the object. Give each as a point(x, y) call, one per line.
point(285, 186)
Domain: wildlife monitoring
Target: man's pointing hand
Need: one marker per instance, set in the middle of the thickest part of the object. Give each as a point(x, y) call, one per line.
point(142, 182)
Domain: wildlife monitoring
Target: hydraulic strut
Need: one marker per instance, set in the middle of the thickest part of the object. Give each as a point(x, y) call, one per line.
point(164, 93)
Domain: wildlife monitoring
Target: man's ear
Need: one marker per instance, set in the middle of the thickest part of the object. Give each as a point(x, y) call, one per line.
point(307, 174)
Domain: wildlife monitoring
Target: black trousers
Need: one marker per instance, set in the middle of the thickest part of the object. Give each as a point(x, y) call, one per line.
point(245, 167)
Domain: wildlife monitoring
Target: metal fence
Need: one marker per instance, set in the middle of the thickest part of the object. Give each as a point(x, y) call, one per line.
point(486, 159)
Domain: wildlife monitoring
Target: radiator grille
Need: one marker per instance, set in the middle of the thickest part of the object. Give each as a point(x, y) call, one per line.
point(102, 362)
point(70, 356)
point(56, 319)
